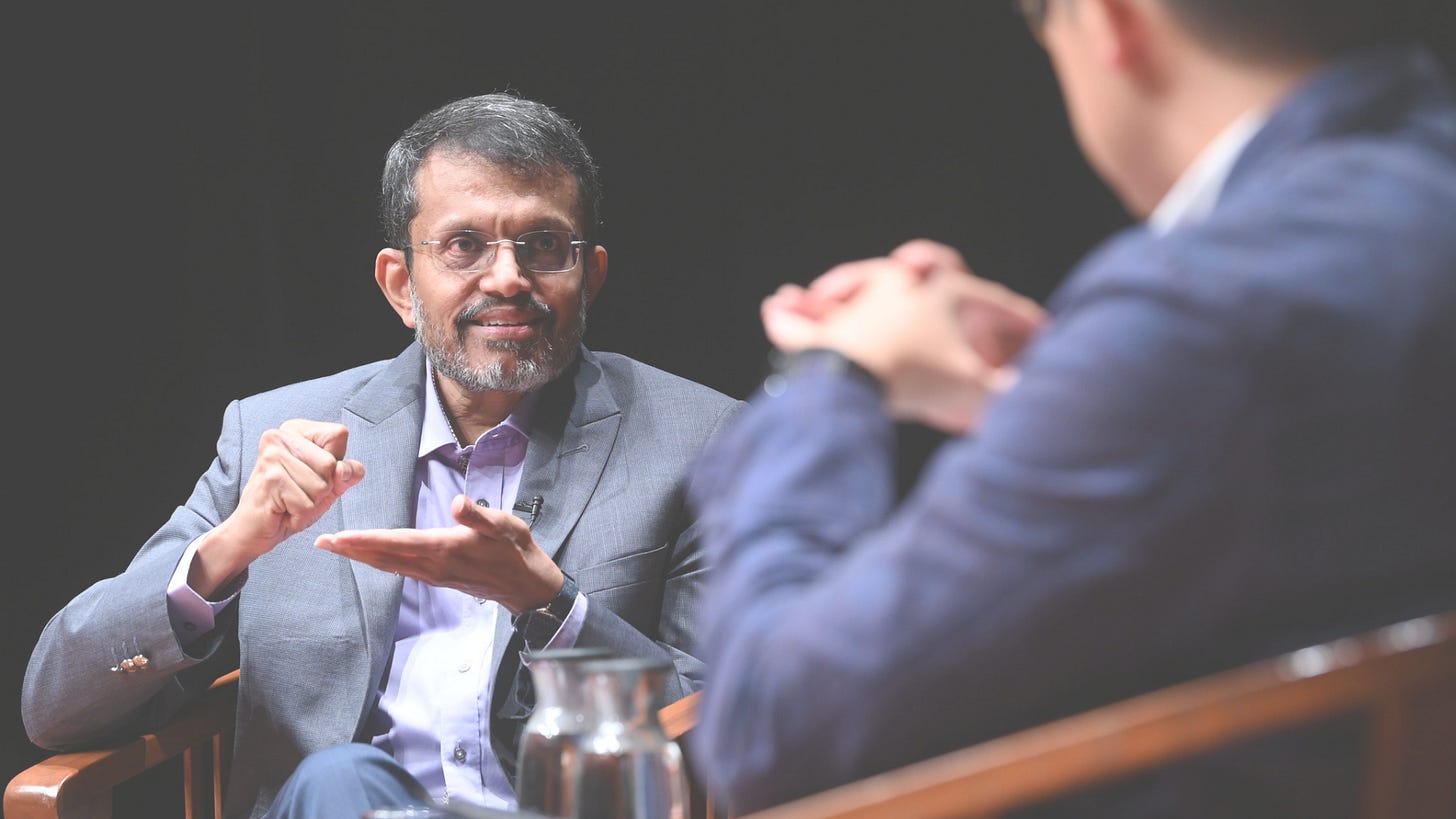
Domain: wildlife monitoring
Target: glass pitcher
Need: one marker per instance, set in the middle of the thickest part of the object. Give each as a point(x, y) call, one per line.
point(549, 737)
point(626, 767)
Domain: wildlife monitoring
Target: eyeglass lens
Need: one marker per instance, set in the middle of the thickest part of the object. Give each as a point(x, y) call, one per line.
point(540, 251)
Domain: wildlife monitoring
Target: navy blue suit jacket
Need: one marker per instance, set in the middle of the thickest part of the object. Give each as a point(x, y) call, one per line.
point(1232, 440)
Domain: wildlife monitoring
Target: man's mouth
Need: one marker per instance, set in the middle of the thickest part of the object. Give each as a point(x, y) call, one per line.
point(503, 328)
point(505, 321)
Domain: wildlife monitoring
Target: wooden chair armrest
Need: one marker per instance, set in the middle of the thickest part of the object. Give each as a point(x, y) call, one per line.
point(1386, 674)
point(679, 717)
point(80, 784)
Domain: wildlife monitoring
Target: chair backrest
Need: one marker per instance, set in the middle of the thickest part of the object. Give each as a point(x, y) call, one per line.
point(1402, 677)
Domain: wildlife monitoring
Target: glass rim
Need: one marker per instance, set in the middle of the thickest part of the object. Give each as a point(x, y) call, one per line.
point(575, 653)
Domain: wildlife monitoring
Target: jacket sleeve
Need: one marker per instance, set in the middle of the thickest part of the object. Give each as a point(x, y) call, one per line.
point(72, 697)
point(846, 634)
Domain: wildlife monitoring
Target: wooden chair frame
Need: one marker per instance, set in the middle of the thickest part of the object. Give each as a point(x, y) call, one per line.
point(81, 785)
point(1403, 677)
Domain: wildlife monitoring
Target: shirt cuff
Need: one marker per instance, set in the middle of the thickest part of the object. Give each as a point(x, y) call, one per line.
point(190, 613)
point(816, 361)
point(565, 637)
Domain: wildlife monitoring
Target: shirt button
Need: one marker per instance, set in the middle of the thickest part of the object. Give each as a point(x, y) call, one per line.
point(459, 753)
point(464, 667)
point(483, 502)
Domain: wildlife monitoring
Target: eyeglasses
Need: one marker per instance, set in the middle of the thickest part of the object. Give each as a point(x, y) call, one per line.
point(469, 251)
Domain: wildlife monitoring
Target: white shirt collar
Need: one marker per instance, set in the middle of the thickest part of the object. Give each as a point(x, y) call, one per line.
point(1193, 196)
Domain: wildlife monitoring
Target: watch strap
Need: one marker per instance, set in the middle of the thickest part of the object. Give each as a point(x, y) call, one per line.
point(537, 626)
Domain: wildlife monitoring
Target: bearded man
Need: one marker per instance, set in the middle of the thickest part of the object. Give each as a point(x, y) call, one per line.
point(377, 547)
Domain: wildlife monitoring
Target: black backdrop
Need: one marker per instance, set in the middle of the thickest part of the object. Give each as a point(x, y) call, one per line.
point(193, 219)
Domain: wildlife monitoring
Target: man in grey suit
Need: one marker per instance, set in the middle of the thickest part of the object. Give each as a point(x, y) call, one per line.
point(377, 547)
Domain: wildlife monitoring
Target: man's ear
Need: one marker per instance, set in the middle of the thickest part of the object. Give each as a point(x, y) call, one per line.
point(1123, 28)
point(393, 276)
point(596, 273)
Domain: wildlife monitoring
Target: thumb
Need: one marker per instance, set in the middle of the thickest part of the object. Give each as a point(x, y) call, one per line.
point(481, 518)
point(347, 473)
point(492, 523)
point(468, 513)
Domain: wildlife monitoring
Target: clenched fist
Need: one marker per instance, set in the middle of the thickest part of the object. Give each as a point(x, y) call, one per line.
point(301, 471)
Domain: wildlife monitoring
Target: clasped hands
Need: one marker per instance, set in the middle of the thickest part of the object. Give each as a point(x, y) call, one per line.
point(940, 339)
point(302, 470)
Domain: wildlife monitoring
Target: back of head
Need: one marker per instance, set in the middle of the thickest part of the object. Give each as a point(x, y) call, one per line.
point(1282, 30)
point(525, 136)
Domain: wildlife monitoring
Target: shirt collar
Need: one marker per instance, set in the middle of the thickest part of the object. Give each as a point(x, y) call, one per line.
point(436, 433)
point(1193, 196)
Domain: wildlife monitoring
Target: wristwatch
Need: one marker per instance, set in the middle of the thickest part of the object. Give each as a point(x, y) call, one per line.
point(537, 626)
point(815, 360)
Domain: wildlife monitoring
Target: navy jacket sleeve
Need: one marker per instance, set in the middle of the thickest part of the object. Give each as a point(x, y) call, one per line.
point(841, 633)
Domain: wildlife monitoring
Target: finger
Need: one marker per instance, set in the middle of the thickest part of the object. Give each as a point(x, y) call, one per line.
point(789, 294)
point(330, 437)
point(496, 524)
point(481, 518)
point(401, 551)
point(788, 329)
point(990, 294)
point(788, 298)
point(286, 498)
point(841, 282)
point(289, 445)
point(998, 336)
point(924, 256)
point(347, 473)
point(311, 480)
point(285, 477)
point(396, 562)
point(403, 540)
point(998, 323)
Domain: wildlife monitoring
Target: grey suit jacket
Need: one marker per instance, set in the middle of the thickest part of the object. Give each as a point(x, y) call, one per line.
point(609, 449)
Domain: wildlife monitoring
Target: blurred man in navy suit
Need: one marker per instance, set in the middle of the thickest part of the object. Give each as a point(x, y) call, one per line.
point(1229, 435)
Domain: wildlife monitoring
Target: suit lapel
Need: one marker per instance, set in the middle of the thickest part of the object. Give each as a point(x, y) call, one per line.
point(384, 432)
point(572, 435)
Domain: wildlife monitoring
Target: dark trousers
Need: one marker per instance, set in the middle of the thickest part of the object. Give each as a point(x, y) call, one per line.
point(345, 781)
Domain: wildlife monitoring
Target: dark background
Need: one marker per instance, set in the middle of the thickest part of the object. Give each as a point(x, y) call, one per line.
point(194, 214)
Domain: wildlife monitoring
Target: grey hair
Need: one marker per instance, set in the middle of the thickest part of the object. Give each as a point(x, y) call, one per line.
point(525, 136)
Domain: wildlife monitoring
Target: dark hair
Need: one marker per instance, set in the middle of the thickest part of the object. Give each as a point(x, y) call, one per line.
point(525, 136)
point(1273, 29)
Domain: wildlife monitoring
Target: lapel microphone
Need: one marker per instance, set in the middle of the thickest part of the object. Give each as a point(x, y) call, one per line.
point(531, 507)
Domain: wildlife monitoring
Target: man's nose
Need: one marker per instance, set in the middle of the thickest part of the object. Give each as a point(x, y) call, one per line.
point(504, 275)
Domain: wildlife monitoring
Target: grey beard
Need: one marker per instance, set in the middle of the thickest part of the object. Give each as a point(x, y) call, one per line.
point(537, 362)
